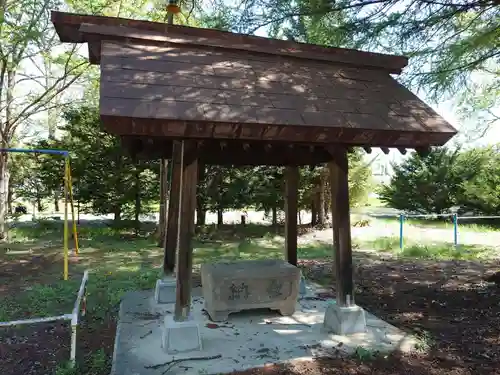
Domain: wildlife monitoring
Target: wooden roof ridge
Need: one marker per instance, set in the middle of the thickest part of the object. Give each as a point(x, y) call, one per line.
point(79, 28)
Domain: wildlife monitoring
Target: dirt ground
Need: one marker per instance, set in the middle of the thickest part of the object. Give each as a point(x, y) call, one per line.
point(446, 302)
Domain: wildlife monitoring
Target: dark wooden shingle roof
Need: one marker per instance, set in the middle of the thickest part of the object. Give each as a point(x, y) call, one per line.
point(175, 81)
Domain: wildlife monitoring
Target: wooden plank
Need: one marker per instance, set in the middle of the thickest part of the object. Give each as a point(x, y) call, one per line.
point(172, 233)
point(194, 67)
point(131, 76)
point(188, 36)
point(158, 92)
point(341, 228)
point(291, 197)
point(161, 53)
point(136, 108)
point(186, 229)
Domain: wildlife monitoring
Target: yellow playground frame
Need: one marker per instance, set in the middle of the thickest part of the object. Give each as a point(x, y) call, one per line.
point(68, 196)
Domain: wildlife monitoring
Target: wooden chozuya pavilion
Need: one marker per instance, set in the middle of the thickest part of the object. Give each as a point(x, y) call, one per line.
point(201, 96)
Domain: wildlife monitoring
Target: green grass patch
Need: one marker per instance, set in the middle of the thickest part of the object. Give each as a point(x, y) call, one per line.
point(479, 225)
point(96, 363)
point(442, 251)
point(120, 262)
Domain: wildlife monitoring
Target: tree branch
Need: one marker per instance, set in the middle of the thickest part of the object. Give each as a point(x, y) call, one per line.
point(316, 12)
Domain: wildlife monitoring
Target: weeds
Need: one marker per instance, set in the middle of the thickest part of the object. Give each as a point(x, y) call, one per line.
point(97, 363)
point(425, 342)
point(362, 354)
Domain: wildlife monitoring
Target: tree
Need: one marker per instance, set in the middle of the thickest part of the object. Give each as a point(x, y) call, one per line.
point(453, 44)
point(481, 190)
point(27, 38)
point(104, 175)
point(428, 184)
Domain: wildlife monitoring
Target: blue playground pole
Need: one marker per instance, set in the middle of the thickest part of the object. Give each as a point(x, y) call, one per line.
point(455, 229)
point(401, 222)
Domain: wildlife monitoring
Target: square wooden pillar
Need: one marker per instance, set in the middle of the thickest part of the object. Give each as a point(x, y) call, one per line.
point(291, 200)
point(172, 231)
point(339, 187)
point(189, 183)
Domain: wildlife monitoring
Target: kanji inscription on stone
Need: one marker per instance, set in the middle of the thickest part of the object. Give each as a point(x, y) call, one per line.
point(275, 288)
point(238, 292)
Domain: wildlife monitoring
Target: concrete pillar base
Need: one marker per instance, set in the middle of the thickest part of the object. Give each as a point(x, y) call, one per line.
point(180, 337)
point(344, 320)
point(165, 290)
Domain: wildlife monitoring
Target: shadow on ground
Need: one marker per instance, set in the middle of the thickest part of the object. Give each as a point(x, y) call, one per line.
point(446, 303)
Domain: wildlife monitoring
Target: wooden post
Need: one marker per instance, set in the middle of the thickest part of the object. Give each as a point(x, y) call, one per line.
point(291, 192)
point(172, 232)
point(200, 209)
point(341, 228)
point(162, 223)
point(186, 229)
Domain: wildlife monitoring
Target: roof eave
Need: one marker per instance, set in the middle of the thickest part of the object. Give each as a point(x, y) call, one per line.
point(69, 29)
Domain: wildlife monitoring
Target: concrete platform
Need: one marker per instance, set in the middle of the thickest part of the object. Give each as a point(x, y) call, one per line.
point(248, 339)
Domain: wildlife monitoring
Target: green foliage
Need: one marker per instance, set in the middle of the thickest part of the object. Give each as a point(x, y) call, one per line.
point(481, 192)
point(363, 354)
point(66, 369)
point(103, 174)
point(425, 184)
point(453, 45)
point(444, 179)
point(360, 182)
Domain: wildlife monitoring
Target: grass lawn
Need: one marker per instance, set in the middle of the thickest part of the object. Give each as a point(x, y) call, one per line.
point(31, 266)
point(476, 225)
point(421, 250)
point(120, 261)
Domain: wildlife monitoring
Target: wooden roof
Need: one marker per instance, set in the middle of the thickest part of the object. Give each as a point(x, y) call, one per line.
point(164, 81)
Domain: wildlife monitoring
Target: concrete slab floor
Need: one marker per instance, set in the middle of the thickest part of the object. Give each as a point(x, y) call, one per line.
point(248, 339)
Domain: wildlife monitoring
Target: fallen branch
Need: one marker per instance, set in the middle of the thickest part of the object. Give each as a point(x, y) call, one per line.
point(173, 362)
point(146, 334)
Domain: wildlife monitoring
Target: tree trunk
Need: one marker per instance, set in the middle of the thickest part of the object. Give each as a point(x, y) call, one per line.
point(275, 216)
point(117, 215)
point(7, 133)
point(9, 200)
point(220, 216)
point(201, 214)
point(314, 212)
point(137, 207)
point(162, 222)
point(56, 201)
point(321, 203)
point(38, 199)
point(78, 210)
point(4, 192)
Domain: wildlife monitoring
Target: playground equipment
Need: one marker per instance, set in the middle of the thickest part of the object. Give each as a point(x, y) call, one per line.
point(73, 317)
point(68, 196)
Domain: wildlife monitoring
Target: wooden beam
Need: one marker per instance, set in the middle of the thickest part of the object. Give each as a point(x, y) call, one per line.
point(186, 229)
point(385, 150)
point(341, 228)
point(172, 232)
point(402, 150)
point(367, 149)
point(291, 197)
